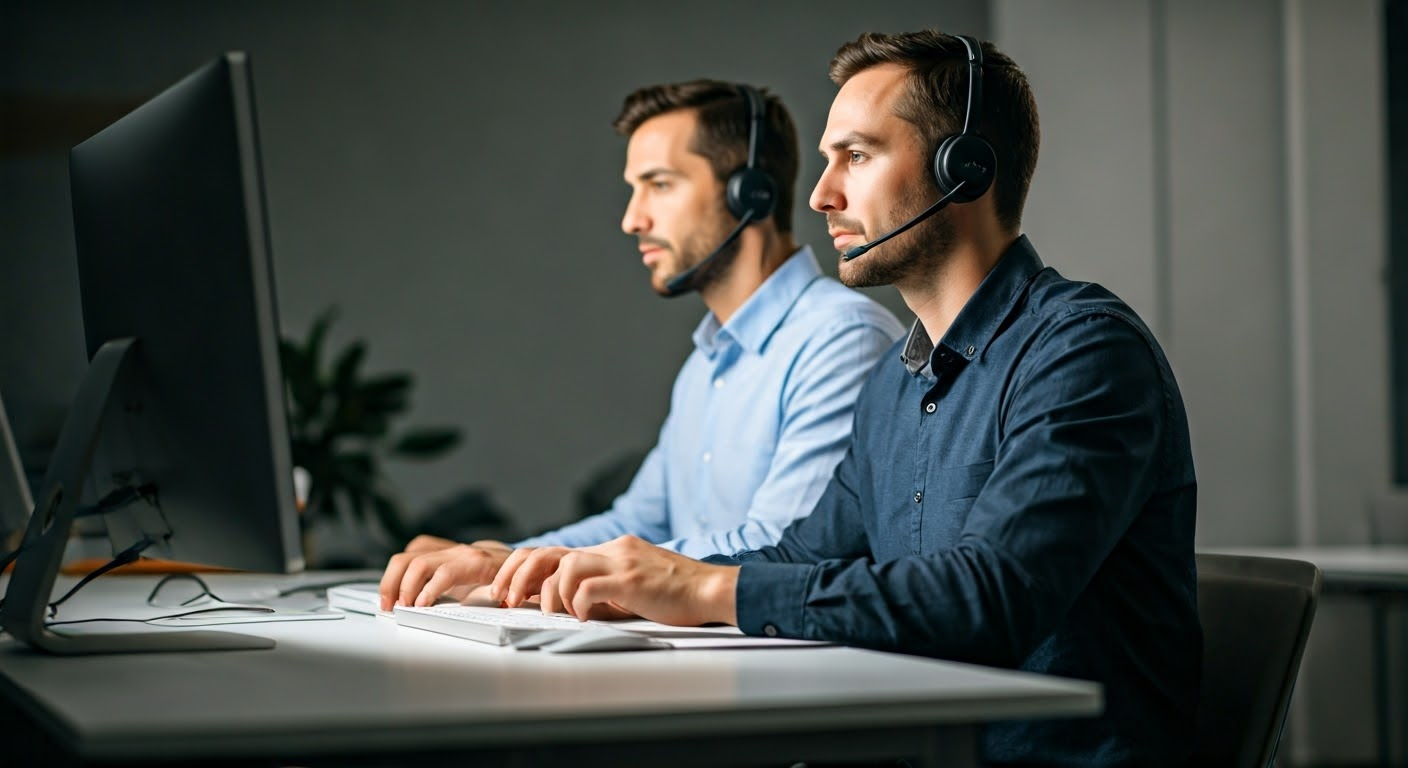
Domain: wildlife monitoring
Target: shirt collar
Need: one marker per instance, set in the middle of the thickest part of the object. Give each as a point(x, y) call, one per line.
point(977, 323)
point(761, 314)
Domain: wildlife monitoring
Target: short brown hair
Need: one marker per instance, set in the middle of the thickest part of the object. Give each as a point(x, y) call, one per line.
point(722, 133)
point(938, 96)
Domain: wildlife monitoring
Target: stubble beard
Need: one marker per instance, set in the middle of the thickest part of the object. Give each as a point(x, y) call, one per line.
point(922, 249)
point(697, 247)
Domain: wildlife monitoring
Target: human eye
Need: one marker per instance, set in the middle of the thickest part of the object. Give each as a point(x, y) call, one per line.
point(856, 158)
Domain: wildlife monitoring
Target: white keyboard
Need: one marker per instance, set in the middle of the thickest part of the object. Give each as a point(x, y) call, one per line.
point(511, 618)
point(497, 626)
point(506, 626)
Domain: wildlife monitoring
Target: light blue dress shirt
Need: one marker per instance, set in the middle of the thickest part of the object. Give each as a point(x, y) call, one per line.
point(760, 416)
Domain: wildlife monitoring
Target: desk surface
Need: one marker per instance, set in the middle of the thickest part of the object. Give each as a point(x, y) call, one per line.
point(363, 685)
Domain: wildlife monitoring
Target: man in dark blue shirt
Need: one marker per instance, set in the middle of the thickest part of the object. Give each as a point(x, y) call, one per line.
point(1020, 493)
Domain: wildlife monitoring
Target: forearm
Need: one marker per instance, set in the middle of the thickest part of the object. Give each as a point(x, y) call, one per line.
point(966, 604)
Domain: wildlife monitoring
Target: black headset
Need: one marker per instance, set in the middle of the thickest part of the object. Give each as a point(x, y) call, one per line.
point(965, 157)
point(750, 191)
point(964, 162)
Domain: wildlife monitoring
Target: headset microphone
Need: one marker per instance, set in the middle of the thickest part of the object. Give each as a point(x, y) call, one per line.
point(749, 193)
point(680, 284)
point(930, 211)
point(964, 163)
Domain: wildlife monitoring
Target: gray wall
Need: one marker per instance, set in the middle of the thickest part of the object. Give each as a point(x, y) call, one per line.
point(1221, 166)
point(446, 174)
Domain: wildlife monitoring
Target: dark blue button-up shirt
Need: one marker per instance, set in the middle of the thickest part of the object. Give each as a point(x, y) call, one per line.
point(1022, 495)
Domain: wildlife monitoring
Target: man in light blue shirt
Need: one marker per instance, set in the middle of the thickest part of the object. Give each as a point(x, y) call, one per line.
point(760, 414)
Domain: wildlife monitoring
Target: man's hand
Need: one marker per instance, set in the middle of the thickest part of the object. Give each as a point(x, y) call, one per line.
point(426, 543)
point(624, 576)
point(437, 567)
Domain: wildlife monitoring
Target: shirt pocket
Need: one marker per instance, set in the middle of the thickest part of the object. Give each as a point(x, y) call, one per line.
point(959, 483)
point(953, 491)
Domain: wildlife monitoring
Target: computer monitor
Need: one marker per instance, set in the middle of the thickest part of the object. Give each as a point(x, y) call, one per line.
point(15, 500)
point(184, 396)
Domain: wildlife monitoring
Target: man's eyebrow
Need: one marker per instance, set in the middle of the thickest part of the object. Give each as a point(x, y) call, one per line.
point(655, 173)
point(854, 139)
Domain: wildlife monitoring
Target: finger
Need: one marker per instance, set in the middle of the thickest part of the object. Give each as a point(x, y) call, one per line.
point(498, 589)
point(608, 612)
point(594, 591)
point(480, 596)
point(440, 582)
point(549, 599)
point(418, 572)
point(567, 581)
point(574, 569)
point(529, 578)
point(390, 587)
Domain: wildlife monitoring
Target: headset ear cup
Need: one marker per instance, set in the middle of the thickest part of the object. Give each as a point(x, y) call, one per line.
point(967, 159)
point(750, 190)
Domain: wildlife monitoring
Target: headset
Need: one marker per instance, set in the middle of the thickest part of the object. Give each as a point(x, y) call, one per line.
point(964, 163)
point(750, 193)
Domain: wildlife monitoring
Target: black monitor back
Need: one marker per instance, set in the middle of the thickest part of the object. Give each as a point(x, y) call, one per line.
point(173, 250)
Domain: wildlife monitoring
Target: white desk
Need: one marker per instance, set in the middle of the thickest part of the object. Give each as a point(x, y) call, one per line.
point(364, 689)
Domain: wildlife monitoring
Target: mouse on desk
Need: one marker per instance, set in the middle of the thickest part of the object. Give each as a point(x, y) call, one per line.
point(539, 638)
point(594, 640)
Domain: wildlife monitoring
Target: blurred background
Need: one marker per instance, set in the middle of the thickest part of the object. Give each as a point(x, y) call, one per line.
point(445, 175)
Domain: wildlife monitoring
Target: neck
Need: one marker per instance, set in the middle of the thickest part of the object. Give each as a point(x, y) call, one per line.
point(760, 253)
point(938, 293)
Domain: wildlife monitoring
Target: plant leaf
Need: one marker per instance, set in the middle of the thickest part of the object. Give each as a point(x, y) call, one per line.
point(426, 442)
point(355, 471)
point(386, 394)
point(344, 374)
point(313, 347)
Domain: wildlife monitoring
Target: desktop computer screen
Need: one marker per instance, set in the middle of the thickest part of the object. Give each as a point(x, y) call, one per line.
point(15, 501)
point(183, 402)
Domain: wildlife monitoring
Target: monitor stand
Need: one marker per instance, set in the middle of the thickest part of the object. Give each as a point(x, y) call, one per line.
point(23, 613)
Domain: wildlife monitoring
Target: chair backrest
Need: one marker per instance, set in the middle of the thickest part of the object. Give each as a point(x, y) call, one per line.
point(1256, 614)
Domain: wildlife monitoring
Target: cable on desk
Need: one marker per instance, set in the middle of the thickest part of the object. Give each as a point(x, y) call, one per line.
point(123, 558)
point(183, 614)
point(119, 498)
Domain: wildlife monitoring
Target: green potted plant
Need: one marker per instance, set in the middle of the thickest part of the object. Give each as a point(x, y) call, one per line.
point(340, 427)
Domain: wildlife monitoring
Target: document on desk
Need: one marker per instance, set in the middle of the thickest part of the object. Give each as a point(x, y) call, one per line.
point(510, 626)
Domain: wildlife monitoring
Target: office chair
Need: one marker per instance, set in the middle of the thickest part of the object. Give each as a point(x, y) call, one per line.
point(1388, 526)
point(1256, 614)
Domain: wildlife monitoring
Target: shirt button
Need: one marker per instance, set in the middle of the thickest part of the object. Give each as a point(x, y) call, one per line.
point(930, 408)
point(918, 496)
point(970, 350)
point(770, 630)
point(719, 383)
point(708, 457)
